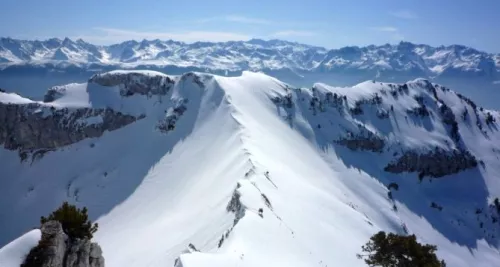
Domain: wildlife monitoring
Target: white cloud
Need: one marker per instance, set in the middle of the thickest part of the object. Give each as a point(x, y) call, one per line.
point(247, 20)
point(404, 14)
point(293, 33)
point(385, 29)
point(394, 32)
point(236, 19)
point(103, 35)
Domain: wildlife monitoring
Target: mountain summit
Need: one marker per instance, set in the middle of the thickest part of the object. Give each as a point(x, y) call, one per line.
point(206, 170)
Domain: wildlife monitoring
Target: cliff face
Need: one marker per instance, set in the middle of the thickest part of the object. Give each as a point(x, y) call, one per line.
point(436, 163)
point(56, 249)
point(33, 127)
point(135, 82)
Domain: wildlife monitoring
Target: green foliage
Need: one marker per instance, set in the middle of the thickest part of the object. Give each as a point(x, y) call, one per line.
point(392, 250)
point(74, 221)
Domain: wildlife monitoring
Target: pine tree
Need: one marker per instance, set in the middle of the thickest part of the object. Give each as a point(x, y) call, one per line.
point(392, 250)
point(75, 222)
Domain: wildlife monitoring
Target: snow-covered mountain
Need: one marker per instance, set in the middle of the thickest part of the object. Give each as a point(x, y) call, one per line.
point(30, 67)
point(206, 170)
point(405, 57)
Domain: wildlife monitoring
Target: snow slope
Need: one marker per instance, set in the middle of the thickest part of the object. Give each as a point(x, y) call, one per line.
point(13, 254)
point(255, 174)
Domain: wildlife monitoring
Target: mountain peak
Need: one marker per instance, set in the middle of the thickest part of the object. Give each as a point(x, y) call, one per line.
point(67, 42)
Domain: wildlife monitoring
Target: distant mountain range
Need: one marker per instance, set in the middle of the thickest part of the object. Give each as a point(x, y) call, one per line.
point(256, 55)
point(31, 67)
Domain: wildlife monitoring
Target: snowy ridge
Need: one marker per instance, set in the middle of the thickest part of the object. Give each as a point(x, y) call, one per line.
point(250, 171)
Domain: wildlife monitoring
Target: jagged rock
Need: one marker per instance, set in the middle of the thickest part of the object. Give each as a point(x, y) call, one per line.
point(55, 249)
point(78, 253)
point(365, 140)
point(285, 101)
point(446, 113)
point(436, 163)
point(448, 117)
point(335, 100)
point(489, 118)
point(434, 205)
point(382, 114)
point(421, 111)
point(195, 78)
point(34, 127)
point(358, 105)
point(172, 115)
point(266, 200)
point(54, 93)
point(235, 206)
point(96, 259)
point(356, 110)
point(131, 83)
point(468, 101)
point(55, 246)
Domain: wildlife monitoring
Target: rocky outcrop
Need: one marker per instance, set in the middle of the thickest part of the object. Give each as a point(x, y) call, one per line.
point(420, 111)
point(448, 118)
point(437, 163)
point(234, 206)
point(358, 105)
point(365, 140)
point(284, 101)
point(171, 116)
point(35, 127)
point(56, 249)
point(54, 93)
point(130, 83)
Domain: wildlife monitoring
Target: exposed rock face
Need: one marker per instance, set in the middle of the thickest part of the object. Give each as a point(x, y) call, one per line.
point(285, 101)
point(82, 253)
point(131, 83)
point(53, 93)
point(449, 119)
point(235, 206)
point(34, 127)
point(436, 163)
point(55, 249)
point(53, 235)
point(171, 116)
point(96, 259)
point(365, 140)
point(420, 111)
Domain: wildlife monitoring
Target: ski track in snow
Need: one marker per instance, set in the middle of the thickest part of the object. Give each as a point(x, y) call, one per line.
point(153, 194)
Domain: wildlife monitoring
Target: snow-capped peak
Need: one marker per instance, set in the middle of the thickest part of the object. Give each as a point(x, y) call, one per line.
point(256, 54)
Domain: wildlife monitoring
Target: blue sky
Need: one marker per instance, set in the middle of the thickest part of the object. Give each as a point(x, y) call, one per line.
point(327, 23)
